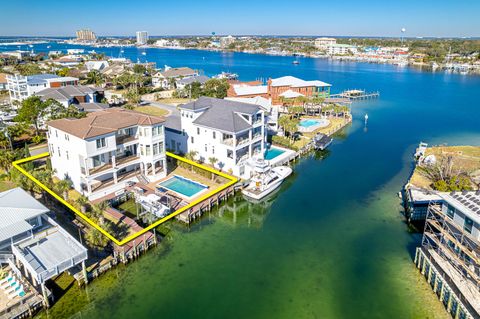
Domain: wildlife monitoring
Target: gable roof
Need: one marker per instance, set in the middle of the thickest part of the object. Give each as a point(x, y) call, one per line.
point(104, 122)
point(296, 82)
point(242, 89)
point(195, 78)
point(67, 92)
point(17, 206)
point(176, 72)
point(224, 115)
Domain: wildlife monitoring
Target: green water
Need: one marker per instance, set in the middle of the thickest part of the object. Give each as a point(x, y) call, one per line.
point(332, 243)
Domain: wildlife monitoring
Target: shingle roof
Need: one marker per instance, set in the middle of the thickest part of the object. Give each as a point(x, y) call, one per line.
point(175, 72)
point(196, 78)
point(221, 114)
point(104, 122)
point(67, 92)
point(17, 206)
point(92, 107)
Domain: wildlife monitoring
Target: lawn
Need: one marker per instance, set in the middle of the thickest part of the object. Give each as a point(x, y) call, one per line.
point(6, 185)
point(129, 208)
point(152, 110)
point(336, 123)
point(465, 158)
point(174, 101)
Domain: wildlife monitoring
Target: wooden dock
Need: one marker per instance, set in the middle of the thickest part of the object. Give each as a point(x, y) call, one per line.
point(355, 94)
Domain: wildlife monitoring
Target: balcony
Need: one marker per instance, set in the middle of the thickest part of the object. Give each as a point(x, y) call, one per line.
point(228, 141)
point(122, 139)
point(100, 168)
point(121, 160)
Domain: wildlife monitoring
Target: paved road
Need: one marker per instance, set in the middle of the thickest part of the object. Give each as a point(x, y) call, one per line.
point(172, 109)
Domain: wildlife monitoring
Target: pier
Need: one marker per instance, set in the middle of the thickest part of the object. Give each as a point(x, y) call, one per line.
point(355, 94)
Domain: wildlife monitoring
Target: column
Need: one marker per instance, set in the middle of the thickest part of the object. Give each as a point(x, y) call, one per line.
point(85, 274)
point(89, 187)
point(45, 296)
point(115, 177)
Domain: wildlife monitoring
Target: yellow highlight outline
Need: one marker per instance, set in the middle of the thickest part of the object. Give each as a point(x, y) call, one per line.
point(232, 180)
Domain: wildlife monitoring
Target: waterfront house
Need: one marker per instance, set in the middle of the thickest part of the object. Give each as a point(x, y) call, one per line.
point(96, 65)
point(107, 150)
point(166, 78)
point(70, 94)
point(297, 87)
point(183, 82)
point(21, 87)
point(33, 245)
point(231, 132)
point(449, 256)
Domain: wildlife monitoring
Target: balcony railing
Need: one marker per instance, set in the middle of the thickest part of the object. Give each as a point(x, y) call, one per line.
point(228, 141)
point(100, 168)
point(122, 139)
point(126, 159)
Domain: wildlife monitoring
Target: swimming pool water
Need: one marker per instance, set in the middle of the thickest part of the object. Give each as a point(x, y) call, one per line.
point(309, 122)
point(182, 186)
point(273, 152)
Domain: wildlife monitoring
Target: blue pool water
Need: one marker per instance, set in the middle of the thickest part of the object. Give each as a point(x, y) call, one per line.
point(182, 186)
point(273, 152)
point(311, 122)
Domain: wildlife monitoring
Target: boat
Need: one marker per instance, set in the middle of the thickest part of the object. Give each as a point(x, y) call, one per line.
point(265, 179)
point(144, 53)
point(226, 75)
point(296, 62)
point(321, 141)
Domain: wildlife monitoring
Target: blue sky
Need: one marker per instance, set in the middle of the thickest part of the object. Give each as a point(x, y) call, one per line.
point(442, 18)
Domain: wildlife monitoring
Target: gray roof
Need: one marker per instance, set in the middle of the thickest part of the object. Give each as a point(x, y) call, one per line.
point(17, 206)
point(221, 114)
point(92, 107)
point(40, 78)
point(67, 92)
point(192, 79)
point(173, 121)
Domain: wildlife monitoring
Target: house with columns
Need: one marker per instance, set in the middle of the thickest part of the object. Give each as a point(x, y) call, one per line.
point(107, 150)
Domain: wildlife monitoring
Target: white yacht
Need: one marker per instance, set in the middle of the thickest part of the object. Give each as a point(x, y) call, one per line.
point(265, 180)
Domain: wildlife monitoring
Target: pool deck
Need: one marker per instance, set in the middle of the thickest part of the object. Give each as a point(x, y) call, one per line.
point(284, 158)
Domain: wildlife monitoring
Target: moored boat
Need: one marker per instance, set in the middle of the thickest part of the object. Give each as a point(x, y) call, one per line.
point(265, 180)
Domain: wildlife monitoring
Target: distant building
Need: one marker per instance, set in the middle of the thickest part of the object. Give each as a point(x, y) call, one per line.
point(183, 82)
point(142, 37)
point(290, 87)
point(21, 87)
point(323, 43)
point(17, 54)
point(105, 151)
point(449, 257)
point(3, 81)
point(86, 35)
point(96, 65)
point(341, 49)
point(226, 41)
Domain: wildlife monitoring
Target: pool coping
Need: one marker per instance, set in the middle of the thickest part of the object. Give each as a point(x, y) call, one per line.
point(205, 187)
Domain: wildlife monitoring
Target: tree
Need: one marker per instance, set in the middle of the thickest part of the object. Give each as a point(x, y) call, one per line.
point(82, 201)
point(63, 72)
point(139, 69)
point(28, 69)
point(63, 187)
point(132, 96)
point(216, 88)
point(33, 110)
point(213, 160)
point(95, 77)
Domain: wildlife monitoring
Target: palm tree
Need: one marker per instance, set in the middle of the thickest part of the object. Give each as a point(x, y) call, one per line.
point(95, 77)
point(82, 201)
point(191, 156)
point(212, 161)
point(63, 187)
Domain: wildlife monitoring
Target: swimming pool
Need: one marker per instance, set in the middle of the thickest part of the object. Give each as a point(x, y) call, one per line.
point(182, 186)
point(309, 125)
point(273, 152)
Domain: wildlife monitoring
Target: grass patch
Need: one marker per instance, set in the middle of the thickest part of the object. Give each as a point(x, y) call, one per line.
point(152, 110)
point(6, 185)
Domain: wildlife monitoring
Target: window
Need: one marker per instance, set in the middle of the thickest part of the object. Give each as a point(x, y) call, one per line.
point(66, 153)
point(468, 225)
point(198, 131)
point(206, 150)
point(450, 211)
point(191, 139)
point(214, 135)
point(155, 149)
point(56, 133)
point(66, 137)
point(160, 147)
point(101, 142)
point(142, 152)
point(213, 149)
point(147, 150)
point(59, 152)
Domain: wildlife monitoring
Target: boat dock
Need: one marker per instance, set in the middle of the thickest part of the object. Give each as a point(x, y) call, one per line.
point(355, 94)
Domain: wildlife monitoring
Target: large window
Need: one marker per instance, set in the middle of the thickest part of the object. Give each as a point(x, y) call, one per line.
point(101, 142)
point(450, 211)
point(468, 225)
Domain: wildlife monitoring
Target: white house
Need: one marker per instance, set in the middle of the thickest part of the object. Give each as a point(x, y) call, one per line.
point(21, 87)
point(108, 149)
point(166, 78)
point(30, 238)
point(96, 65)
point(230, 131)
point(70, 94)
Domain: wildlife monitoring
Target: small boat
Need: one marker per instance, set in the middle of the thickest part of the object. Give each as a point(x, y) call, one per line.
point(321, 141)
point(49, 46)
point(296, 62)
point(265, 180)
point(226, 75)
point(144, 53)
